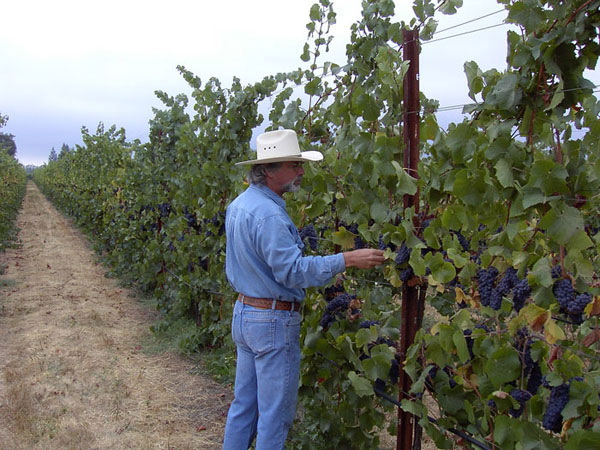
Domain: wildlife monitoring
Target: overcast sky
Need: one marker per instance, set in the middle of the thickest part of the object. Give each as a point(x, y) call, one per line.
point(67, 64)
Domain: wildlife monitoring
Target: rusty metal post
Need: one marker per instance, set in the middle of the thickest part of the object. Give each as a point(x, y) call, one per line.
point(411, 310)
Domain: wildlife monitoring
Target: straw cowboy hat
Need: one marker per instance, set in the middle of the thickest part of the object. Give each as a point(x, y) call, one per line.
point(279, 146)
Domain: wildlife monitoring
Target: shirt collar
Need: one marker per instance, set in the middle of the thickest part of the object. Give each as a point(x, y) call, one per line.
point(269, 193)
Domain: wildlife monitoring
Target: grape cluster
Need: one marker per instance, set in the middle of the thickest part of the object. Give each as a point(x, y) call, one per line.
point(521, 397)
point(463, 241)
point(335, 308)
point(402, 254)
point(308, 232)
point(564, 292)
point(165, 209)
point(368, 323)
point(486, 279)
point(406, 274)
point(577, 306)
point(217, 221)
point(559, 397)
point(492, 289)
point(191, 219)
point(508, 281)
point(531, 369)
point(384, 246)
point(521, 292)
point(571, 302)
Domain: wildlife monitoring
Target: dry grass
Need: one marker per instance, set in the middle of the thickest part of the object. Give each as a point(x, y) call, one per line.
point(74, 373)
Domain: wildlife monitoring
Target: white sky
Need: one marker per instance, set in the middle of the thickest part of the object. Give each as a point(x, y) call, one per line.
point(68, 64)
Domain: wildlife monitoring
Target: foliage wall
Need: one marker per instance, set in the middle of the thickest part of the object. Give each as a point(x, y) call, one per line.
point(12, 187)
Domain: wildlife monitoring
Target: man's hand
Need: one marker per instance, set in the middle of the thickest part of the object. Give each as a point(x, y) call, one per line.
point(364, 258)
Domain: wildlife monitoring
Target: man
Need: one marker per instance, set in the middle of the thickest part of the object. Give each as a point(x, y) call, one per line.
point(266, 266)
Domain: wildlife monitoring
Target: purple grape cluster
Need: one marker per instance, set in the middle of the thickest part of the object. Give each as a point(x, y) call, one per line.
point(521, 397)
point(406, 274)
point(578, 304)
point(564, 292)
point(463, 241)
point(383, 246)
point(531, 369)
point(368, 323)
point(571, 302)
point(402, 254)
point(165, 209)
point(559, 397)
point(309, 232)
point(334, 308)
point(521, 292)
point(486, 279)
point(508, 281)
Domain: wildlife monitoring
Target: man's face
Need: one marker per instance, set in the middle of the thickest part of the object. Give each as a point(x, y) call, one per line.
point(287, 178)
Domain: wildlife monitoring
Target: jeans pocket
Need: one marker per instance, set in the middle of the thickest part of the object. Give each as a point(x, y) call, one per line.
point(259, 333)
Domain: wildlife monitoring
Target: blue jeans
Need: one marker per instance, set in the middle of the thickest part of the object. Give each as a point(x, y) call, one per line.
point(266, 377)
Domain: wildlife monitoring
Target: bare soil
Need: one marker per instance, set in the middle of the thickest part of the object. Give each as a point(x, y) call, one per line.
point(74, 370)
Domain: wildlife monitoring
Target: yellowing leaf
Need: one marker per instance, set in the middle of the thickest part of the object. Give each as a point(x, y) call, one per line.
point(593, 307)
point(344, 238)
point(391, 274)
point(439, 287)
point(535, 316)
point(553, 332)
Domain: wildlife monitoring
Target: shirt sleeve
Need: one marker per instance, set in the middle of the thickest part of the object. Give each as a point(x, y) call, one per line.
point(278, 244)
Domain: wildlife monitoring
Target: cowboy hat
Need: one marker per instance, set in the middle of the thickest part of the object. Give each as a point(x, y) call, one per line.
point(279, 146)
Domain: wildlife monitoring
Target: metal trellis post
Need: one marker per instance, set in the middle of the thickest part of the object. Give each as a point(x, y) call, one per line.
point(412, 312)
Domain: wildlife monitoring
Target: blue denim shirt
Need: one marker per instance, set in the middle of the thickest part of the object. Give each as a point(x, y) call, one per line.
point(265, 253)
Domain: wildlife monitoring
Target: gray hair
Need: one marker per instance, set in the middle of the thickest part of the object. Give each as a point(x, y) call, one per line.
point(258, 172)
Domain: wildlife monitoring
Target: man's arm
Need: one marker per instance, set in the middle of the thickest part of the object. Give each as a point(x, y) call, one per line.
point(364, 258)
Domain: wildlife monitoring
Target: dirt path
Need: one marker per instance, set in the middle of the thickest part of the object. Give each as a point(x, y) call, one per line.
point(73, 372)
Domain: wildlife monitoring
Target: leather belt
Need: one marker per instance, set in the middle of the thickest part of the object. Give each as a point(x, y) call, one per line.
point(267, 303)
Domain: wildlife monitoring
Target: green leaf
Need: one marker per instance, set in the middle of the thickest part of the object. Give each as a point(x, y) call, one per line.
point(503, 366)
point(474, 79)
point(583, 440)
point(379, 212)
point(541, 273)
point(406, 183)
point(365, 336)
point(315, 12)
point(461, 346)
point(562, 225)
point(504, 173)
point(378, 366)
point(305, 56)
point(361, 385)
point(506, 94)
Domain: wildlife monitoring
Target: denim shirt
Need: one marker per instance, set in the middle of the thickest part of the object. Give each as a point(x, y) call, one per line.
point(264, 252)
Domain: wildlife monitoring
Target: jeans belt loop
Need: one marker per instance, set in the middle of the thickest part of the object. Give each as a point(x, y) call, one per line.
point(274, 304)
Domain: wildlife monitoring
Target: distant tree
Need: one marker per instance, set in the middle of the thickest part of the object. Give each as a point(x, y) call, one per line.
point(7, 141)
point(53, 156)
point(64, 150)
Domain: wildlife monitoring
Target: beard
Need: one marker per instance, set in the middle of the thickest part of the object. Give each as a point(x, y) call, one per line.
point(293, 186)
